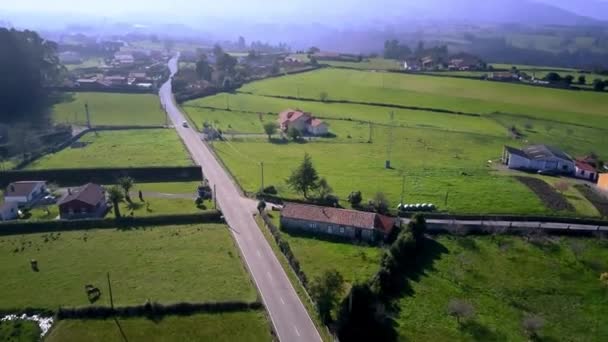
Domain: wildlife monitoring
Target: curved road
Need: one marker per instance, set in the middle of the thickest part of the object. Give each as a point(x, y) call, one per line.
point(289, 316)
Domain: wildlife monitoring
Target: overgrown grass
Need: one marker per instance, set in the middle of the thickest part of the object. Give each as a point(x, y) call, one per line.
point(19, 331)
point(130, 148)
point(238, 326)
point(368, 64)
point(109, 109)
point(194, 263)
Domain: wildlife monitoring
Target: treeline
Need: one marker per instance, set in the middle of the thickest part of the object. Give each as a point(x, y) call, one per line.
point(29, 66)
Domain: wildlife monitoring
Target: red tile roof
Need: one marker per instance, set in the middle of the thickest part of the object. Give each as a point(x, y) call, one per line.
point(316, 122)
point(585, 166)
point(90, 194)
point(343, 217)
point(291, 115)
point(20, 189)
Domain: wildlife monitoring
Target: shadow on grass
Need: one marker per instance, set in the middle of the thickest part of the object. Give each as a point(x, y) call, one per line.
point(480, 332)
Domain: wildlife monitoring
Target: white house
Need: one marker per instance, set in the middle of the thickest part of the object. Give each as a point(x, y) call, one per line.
point(585, 171)
point(538, 158)
point(303, 122)
point(8, 211)
point(25, 193)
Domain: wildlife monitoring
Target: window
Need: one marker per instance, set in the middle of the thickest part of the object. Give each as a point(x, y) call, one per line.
point(313, 226)
point(565, 167)
point(582, 172)
point(341, 230)
point(329, 229)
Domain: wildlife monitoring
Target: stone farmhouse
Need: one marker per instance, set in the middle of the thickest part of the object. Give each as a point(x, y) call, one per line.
point(303, 122)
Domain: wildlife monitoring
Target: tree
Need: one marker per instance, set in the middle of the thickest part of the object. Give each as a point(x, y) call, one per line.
point(532, 325)
point(116, 196)
point(418, 228)
point(312, 50)
point(380, 203)
point(294, 133)
point(582, 80)
point(242, 45)
point(553, 77)
point(203, 69)
point(355, 198)
point(599, 85)
point(314, 61)
point(304, 178)
point(323, 189)
point(126, 183)
point(261, 206)
point(568, 79)
point(270, 128)
point(460, 309)
point(326, 290)
point(323, 96)
point(562, 186)
point(217, 50)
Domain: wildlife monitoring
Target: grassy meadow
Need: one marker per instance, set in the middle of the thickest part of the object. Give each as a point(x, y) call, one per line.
point(447, 159)
point(128, 148)
point(237, 326)
point(193, 263)
point(109, 109)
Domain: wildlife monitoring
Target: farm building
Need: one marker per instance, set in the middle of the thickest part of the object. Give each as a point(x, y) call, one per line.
point(356, 225)
point(538, 158)
point(25, 193)
point(88, 201)
point(303, 122)
point(585, 171)
point(8, 211)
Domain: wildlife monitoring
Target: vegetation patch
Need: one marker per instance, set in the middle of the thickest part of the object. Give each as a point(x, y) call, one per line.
point(19, 331)
point(599, 202)
point(551, 198)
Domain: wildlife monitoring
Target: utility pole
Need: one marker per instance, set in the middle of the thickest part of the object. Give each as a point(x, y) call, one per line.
point(214, 197)
point(86, 109)
point(447, 193)
point(370, 133)
point(227, 101)
point(110, 291)
point(298, 91)
point(262, 168)
point(403, 189)
point(390, 143)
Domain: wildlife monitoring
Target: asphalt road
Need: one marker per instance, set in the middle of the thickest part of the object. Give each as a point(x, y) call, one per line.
point(289, 316)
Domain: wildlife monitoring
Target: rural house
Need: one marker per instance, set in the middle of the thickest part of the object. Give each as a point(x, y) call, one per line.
point(8, 211)
point(585, 170)
point(351, 224)
point(303, 122)
point(538, 158)
point(88, 201)
point(25, 193)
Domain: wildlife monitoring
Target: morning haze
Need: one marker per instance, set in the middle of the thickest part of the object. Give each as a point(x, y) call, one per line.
point(304, 170)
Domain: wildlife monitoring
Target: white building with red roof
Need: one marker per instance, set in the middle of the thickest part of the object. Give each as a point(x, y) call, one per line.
point(585, 170)
point(303, 122)
point(352, 224)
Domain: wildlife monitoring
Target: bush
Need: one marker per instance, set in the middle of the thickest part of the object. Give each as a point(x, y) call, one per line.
point(271, 190)
point(355, 198)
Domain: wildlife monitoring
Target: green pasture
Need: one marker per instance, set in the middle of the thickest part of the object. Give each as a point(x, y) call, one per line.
point(235, 326)
point(126, 148)
point(194, 263)
point(110, 109)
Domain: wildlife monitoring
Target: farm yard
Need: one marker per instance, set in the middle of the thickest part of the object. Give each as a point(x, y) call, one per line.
point(125, 148)
point(238, 326)
point(194, 263)
point(110, 109)
point(443, 147)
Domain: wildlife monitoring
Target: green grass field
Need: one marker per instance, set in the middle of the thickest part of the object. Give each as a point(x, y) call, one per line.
point(238, 326)
point(505, 278)
point(369, 64)
point(109, 109)
point(195, 263)
point(87, 63)
point(129, 148)
point(443, 93)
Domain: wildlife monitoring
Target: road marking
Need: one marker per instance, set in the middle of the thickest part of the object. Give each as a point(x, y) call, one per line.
point(282, 301)
point(296, 329)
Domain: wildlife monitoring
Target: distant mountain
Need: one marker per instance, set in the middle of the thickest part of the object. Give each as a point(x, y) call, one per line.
point(495, 11)
point(596, 9)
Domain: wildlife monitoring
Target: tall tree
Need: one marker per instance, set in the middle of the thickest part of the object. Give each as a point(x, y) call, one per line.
point(304, 179)
point(203, 69)
point(270, 128)
point(326, 291)
point(29, 67)
point(126, 183)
